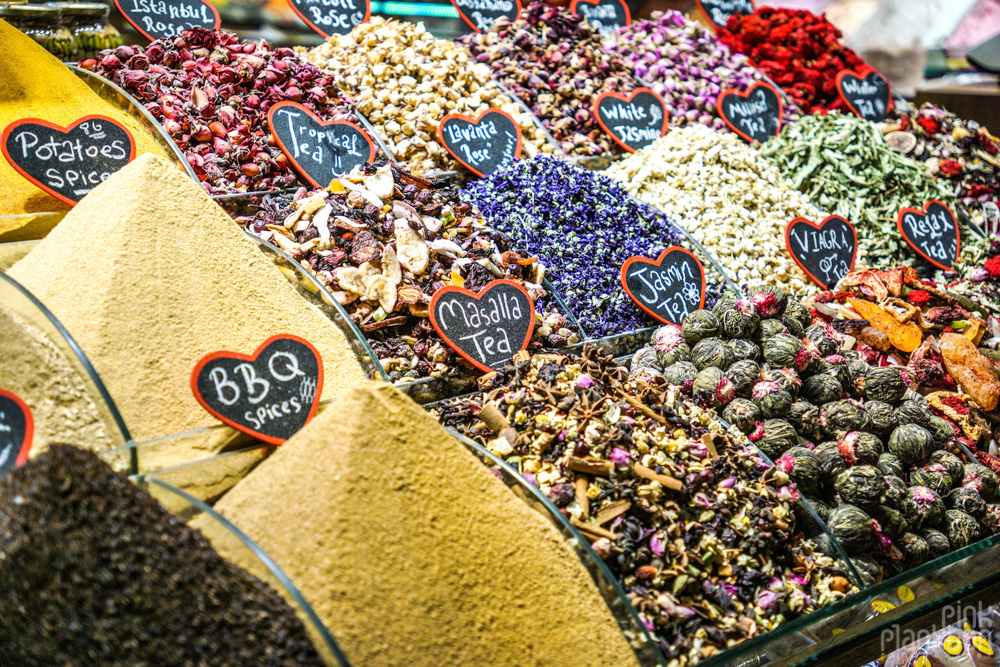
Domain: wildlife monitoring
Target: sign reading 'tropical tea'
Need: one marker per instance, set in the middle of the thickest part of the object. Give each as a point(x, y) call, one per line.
point(754, 115)
point(604, 15)
point(668, 288)
point(165, 19)
point(270, 394)
point(868, 96)
point(332, 17)
point(487, 328)
point(67, 162)
point(633, 121)
point(483, 144)
point(933, 232)
point(825, 251)
point(16, 431)
point(480, 14)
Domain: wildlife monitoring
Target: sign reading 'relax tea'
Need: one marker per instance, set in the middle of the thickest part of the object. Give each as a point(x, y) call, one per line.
point(270, 394)
point(332, 17)
point(604, 15)
point(483, 144)
point(480, 14)
point(16, 431)
point(487, 328)
point(165, 19)
point(668, 288)
point(825, 251)
point(933, 232)
point(634, 121)
point(754, 115)
point(67, 162)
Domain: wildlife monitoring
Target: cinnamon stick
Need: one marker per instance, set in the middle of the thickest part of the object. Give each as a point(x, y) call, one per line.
point(590, 466)
point(653, 476)
point(638, 405)
point(582, 499)
point(494, 419)
point(590, 529)
point(613, 510)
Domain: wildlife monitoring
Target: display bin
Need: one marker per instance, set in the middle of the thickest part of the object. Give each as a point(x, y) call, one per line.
point(231, 543)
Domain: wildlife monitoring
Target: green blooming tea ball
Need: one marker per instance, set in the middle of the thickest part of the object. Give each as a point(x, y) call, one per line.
point(698, 325)
point(799, 313)
point(802, 467)
point(779, 436)
point(772, 399)
point(841, 417)
point(883, 418)
point(937, 542)
point(922, 507)
point(804, 416)
point(861, 485)
point(670, 346)
point(679, 373)
point(788, 379)
point(891, 520)
point(712, 352)
point(743, 414)
point(911, 443)
point(739, 320)
point(823, 388)
point(781, 351)
point(833, 459)
point(914, 412)
point(852, 527)
point(982, 479)
point(744, 375)
point(914, 548)
point(966, 500)
point(894, 492)
point(820, 337)
point(961, 529)
point(885, 384)
point(744, 349)
point(889, 464)
point(932, 475)
point(768, 329)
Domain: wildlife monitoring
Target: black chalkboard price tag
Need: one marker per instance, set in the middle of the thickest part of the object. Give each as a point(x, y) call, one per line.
point(332, 17)
point(165, 19)
point(719, 11)
point(483, 144)
point(319, 150)
point(487, 328)
point(754, 115)
point(480, 14)
point(604, 15)
point(933, 232)
point(67, 162)
point(868, 95)
point(270, 394)
point(825, 251)
point(668, 288)
point(633, 121)
point(17, 428)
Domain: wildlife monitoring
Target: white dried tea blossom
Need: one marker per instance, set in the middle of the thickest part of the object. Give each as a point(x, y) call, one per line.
point(729, 198)
point(405, 81)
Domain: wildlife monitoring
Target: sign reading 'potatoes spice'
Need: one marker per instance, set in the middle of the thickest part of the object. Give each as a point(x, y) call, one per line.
point(604, 15)
point(165, 19)
point(634, 121)
point(319, 150)
point(932, 232)
point(825, 251)
point(487, 328)
point(16, 431)
point(484, 144)
point(754, 115)
point(719, 11)
point(480, 14)
point(668, 288)
point(868, 96)
point(67, 162)
point(332, 17)
point(270, 394)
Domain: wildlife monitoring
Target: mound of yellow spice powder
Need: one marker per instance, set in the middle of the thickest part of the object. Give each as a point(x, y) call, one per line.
point(412, 552)
point(34, 84)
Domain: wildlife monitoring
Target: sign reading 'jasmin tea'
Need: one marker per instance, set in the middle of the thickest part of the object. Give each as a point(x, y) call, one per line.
point(754, 115)
point(933, 232)
point(604, 15)
point(868, 96)
point(668, 288)
point(16, 431)
point(320, 151)
point(483, 144)
point(719, 11)
point(270, 394)
point(480, 14)
point(633, 121)
point(332, 17)
point(825, 251)
point(487, 328)
point(67, 162)
point(165, 19)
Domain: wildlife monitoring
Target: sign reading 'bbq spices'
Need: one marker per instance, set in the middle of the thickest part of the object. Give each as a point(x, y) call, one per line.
point(634, 121)
point(484, 144)
point(16, 431)
point(487, 328)
point(332, 17)
point(480, 14)
point(165, 19)
point(668, 288)
point(825, 251)
point(67, 162)
point(604, 15)
point(270, 394)
point(933, 232)
point(319, 150)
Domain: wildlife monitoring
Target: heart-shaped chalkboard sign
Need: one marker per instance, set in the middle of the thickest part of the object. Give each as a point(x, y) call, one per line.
point(868, 95)
point(719, 11)
point(668, 288)
point(604, 15)
point(825, 251)
point(932, 232)
point(483, 144)
point(17, 428)
point(480, 14)
point(754, 115)
point(165, 19)
point(319, 150)
point(67, 162)
point(332, 17)
point(487, 328)
point(270, 394)
point(633, 121)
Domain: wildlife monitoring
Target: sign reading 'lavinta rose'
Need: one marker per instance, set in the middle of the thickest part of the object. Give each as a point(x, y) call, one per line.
point(483, 144)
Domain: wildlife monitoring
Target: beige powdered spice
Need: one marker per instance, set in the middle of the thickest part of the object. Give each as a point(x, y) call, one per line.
point(411, 551)
point(150, 275)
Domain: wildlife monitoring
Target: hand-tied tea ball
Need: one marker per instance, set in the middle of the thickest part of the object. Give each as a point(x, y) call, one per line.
point(966, 500)
point(802, 467)
point(769, 328)
point(891, 520)
point(773, 400)
point(895, 490)
point(788, 379)
point(783, 351)
point(743, 414)
point(883, 418)
point(852, 527)
point(698, 325)
point(982, 479)
point(961, 529)
point(804, 416)
point(779, 436)
point(844, 416)
point(890, 464)
point(737, 319)
point(911, 443)
point(866, 446)
point(712, 352)
point(823, 388)
point(744, 349)
point(932, 475)
point(713, 387)
point(680, 373)
point(914, 548)
point(834, 458)
point(860, 485)
point(744, 375)
point(937, 542)
point(885, 384)
point(922, 507)
point(668, 342)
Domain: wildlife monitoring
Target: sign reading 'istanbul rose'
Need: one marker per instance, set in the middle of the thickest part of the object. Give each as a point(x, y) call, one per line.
point(270, 394)
point(488, 328)
point(320, 151)
point(483, 144)
point(67, 162)
point(332, 17)
point(754, 115)
point(869, 95)
point(634, 121)
point(604, 15)
point(668, 288)
point(480, 14)
point(16, 431)
point(932, 232)
point(825, 251)
point(165, 19)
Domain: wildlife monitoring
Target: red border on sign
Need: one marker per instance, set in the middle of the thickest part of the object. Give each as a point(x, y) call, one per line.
point(29, 427)
point(475, 121)
point(865, 71)
point(252, 358)
point(218, 20)
point(65, 130)
point(288, 153)
point(627, 99)
point(732, 91)
point(659, 262)
point(709, 18)
point(923, 213)
point(819, 227)
point(453, 288)
point(461, 14)
point(621, 3)
point(315, 28)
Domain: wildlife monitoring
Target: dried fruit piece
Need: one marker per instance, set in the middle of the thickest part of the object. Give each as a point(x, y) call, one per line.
point(973, 372)
point(903, 336)
point(411, 250)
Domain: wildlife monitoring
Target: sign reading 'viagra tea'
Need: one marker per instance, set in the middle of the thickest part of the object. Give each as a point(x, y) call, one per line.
point(668, 288)
point(484, 144)
point(825, 251)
